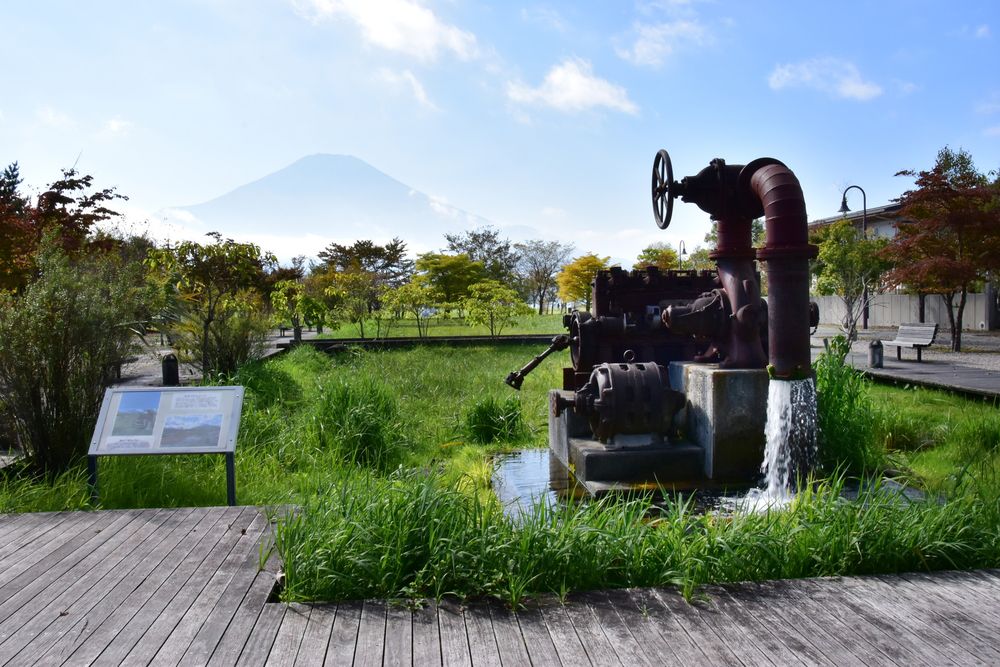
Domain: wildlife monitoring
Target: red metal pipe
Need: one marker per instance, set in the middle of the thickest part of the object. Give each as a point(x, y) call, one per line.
point(787, 253)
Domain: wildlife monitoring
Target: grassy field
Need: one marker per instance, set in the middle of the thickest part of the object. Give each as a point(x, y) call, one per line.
point(387, 455)
point(453, 326)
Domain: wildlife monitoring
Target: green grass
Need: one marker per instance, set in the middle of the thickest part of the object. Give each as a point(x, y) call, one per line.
point(453, 326)
point(386, 454)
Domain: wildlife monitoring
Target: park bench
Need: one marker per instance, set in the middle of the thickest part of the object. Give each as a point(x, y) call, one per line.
point(915, 335)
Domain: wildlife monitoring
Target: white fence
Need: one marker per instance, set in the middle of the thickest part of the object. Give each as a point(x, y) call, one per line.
point(890, 310)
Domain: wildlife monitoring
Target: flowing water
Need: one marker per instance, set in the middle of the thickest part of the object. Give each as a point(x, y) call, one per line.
point(790, 448)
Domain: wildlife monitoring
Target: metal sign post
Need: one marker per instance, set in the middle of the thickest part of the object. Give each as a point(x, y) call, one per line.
point(177, 420)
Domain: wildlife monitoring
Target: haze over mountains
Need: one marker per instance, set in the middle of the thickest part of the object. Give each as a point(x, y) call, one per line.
point(323, 198)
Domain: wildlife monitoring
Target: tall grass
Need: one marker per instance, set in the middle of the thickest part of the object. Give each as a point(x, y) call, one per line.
point(411, 535)
point(493, 419)
point(454, 326)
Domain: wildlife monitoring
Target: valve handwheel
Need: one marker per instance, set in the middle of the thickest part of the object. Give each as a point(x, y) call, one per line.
point(663, 183)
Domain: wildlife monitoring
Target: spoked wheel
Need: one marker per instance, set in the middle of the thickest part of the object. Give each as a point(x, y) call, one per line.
point(663, 198)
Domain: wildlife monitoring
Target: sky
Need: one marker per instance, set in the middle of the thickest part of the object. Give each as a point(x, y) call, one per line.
point(546, 115)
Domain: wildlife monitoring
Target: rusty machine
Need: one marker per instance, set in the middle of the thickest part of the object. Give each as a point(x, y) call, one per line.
point(628, 411)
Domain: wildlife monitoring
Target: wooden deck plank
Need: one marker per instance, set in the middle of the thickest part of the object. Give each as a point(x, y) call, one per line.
point(454, 636)
point(28, 529)
point(344, 636)
point(68, 579)
point(588, 629)
point(535, 635)
point(623, 643)
point(77, 623)
point(98, 639)
point(138, 624)
point(371, 634)
point(810, 625)
point(507, 631)
point(316, 637)
point(398, 650)
point(568, 644)
point(426, 635)
point(734, 635)
point(641, 626)
point(189, 590)
point(483, 647)
point(45, 558)
point(245, 619)
point(228, 604)
point(978, 594)
point(779, 647)
point(886, 606)
point(876, 648)
point(261, 639)
point(702, 636)
point(189, 627)
point(662, 621)
point(286, 644)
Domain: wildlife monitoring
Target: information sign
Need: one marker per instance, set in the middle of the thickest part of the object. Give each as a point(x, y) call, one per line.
point(168, 420)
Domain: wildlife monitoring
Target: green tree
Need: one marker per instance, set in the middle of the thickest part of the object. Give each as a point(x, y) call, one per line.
point(659, 255)
point(353, 292)
point(292, 301)
point(699, 260)
point(449, 275)
point(485, 246)
point(221, 324)
point(757, 233)
point(538, 263)
point(61, 338)
point(850, 266)
point(414, 299)
point(576, 279)
point(494, 305)
point(953, 241)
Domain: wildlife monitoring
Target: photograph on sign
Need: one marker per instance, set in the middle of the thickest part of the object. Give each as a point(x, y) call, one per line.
point(192, 430)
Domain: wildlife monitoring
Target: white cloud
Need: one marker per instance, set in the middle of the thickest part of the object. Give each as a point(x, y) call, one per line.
point(407, 79)
point(572, 86)
point(992, 131)
point(906, 87)
point(653, 43)
point(405, 26)
point(836, 77)
point(443, 207)
point(982, 31)
point(545, 16)
point(117, 126)
point(990, 106)
point(554, 213)
point(54, 118)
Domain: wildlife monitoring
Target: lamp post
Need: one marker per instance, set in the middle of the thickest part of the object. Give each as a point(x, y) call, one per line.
point(864, 234)
point(681, 251)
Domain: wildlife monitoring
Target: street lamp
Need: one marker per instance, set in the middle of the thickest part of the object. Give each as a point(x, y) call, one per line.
point(681, 251)
point(864, 234)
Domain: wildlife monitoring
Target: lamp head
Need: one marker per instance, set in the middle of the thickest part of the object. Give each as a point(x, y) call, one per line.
point(843, 205)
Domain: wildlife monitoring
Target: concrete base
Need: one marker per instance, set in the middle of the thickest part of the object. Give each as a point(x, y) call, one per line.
point(726, 414)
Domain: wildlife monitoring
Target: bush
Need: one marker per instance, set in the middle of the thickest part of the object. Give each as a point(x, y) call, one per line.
point(237, 334)
point(361, 421)
point(847, 417)
point(61, 339)
point(491, 420)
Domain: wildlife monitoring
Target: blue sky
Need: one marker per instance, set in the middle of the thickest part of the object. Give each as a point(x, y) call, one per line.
point(539, 114)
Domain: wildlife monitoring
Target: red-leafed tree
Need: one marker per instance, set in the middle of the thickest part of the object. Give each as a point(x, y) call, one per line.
point(952, 239)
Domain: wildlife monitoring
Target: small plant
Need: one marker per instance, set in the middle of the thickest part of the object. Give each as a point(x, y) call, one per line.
point(361, 421)
point(495, 420)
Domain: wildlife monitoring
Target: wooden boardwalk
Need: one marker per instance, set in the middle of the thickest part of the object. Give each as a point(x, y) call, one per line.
point(186, 587)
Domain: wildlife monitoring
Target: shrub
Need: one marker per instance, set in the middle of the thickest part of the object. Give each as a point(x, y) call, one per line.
point(60, 341)
point(847, 417)
point(237, 334)
point(361, 421)
point(491, 420)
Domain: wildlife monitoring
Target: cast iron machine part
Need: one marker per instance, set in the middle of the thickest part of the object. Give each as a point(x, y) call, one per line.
point(734, 195)
point(625, 398)
point(516, 378)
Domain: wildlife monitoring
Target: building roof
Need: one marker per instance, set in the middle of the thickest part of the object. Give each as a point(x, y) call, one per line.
point(876, 214)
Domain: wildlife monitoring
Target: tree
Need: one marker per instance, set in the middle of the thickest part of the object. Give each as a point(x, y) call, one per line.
point(415, 299)
point(576, 278)
point(449, 275)
point(353, 291)
point(221, 324)
point(494, 305)
point(389, 263)
point(756, 234)
point(61, 338)
point(538, 264)
point(292, 301)
point(850, 266)
point(953, 240)
point(699, 260)
point(659, 255)
point(485, 246)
